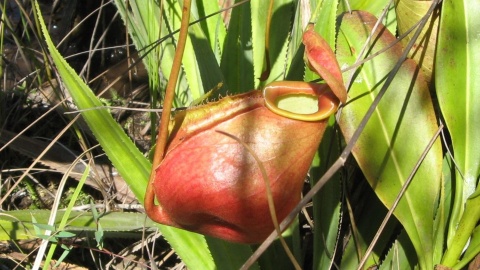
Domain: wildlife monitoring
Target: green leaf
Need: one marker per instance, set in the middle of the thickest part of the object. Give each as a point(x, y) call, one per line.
point(444, 209)
point(122, 152)
point(294, 57)
point(325, 20)
point(44, 227)
point(99, 236)
point(374, 7)
point(458, 85)
point(64, 234)
point(128, 160)
point(409, 13)
point(397, 133)
point(12, 233)
point(229, 255)
point(237, 58)
point(400, 255)
point(199, 62)
point(62, 257)
point(326, 204)
point(458, 89)
point(364, 230)
point(144, 22)
point(213, 27)
point(94, 211)
point(142, 19)
point(275, 257)
point(19, 223)
point(49, 238)
point(280, 26)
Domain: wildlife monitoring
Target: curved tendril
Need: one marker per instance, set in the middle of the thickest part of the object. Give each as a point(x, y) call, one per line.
point(155, 212)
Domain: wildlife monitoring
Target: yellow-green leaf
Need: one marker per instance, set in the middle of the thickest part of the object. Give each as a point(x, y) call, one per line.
point(398, 131)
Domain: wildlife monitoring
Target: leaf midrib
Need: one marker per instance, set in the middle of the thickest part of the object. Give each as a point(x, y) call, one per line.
point(406, 195)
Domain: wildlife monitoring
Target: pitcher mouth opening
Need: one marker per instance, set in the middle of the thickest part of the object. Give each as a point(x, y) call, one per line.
point(301, 100)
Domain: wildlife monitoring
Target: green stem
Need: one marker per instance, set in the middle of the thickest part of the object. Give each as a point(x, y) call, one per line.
point(465, 228)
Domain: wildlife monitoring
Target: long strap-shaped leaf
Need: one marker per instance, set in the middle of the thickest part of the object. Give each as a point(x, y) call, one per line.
point(128, 160)
point(458, 90)
point(398, 131)
point(269, 39)
point(18, 224)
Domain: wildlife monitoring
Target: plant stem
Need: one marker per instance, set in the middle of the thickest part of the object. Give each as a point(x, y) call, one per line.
point(465, 228)
point(172, 82)
point(167, 106)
